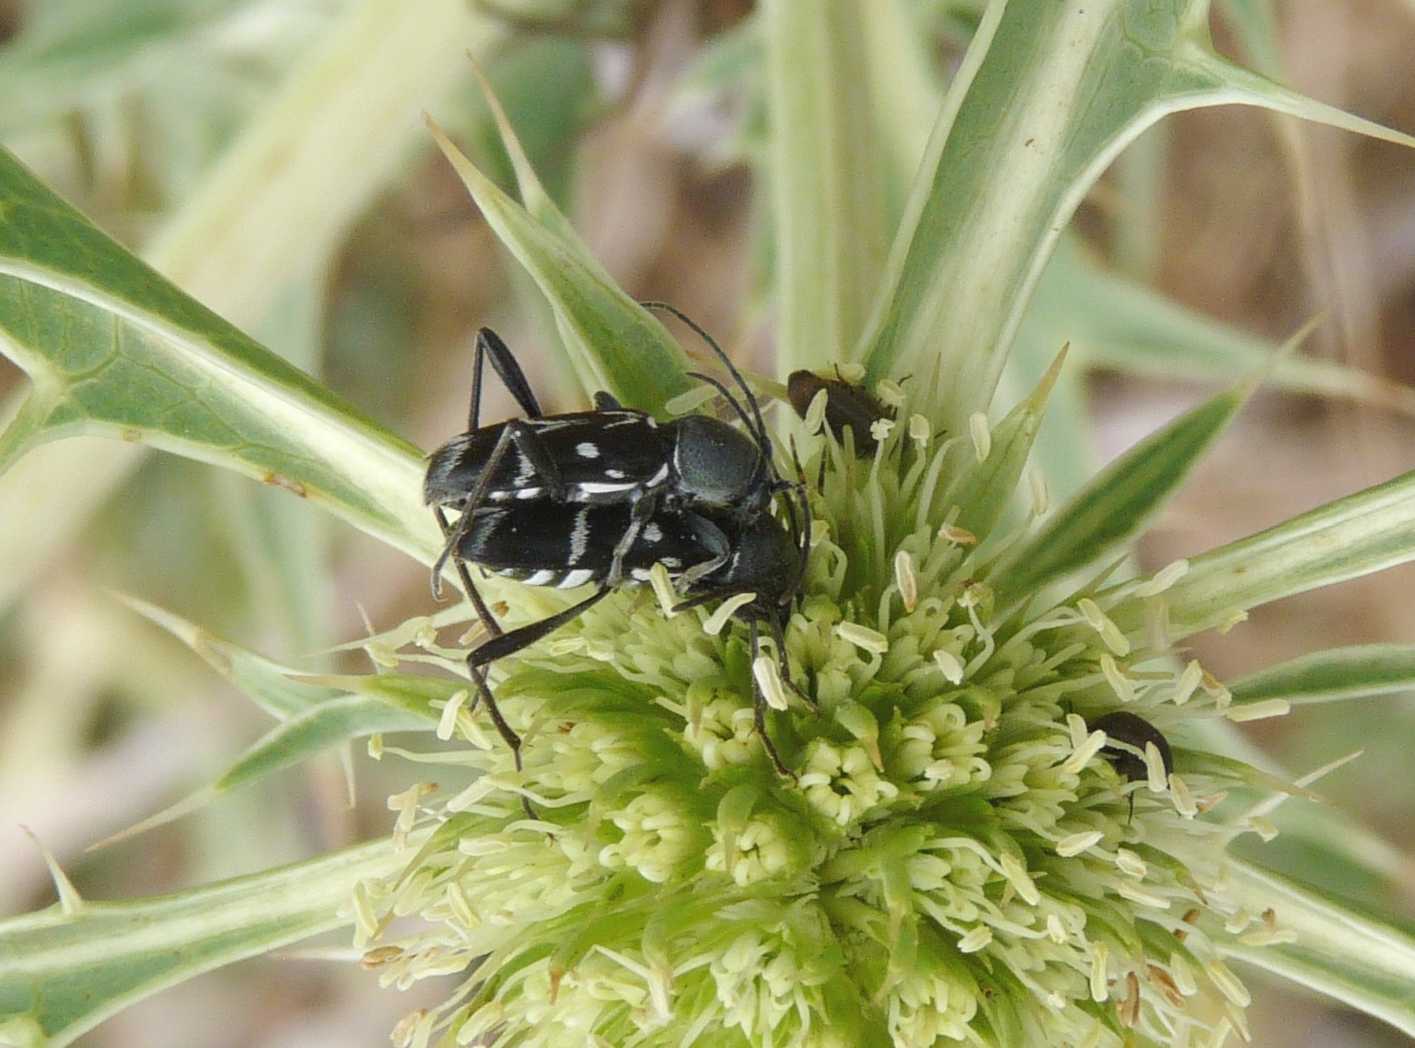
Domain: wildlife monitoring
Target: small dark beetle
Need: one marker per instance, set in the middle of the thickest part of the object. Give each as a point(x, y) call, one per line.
point(847, 406)
point(1129, 728)
point(1136, 731)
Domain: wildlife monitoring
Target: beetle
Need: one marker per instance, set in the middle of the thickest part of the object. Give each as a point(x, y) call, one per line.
point(609, 454)
point(707, 559)
point(1127, 727)
point(600, 496)
point(847, 406)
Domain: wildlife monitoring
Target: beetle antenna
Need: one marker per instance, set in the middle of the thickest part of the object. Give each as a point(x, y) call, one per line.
point(760, 428)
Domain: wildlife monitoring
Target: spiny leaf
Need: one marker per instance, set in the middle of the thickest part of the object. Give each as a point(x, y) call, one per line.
point(268, 684)
point(1353, 536)
point(828, 207)
point(1349, 956)
point(1116, 505)
point(1116, 323)
point(289, 743)
point(113, 348)
point(614, 343)
point(1358, 672)
point(1047, 96)
point(65, 973)
point(983, 490)
point(316, 713)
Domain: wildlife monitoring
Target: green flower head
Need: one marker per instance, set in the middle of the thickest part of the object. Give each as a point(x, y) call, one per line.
point(962, 855)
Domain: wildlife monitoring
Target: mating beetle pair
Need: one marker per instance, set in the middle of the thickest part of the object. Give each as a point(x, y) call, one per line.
point(601, 496)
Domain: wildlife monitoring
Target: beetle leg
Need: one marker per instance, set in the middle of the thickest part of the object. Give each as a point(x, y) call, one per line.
point(778, 637)
point(470, 506)
point(527, 442)
point(507, 733)
point(643, 509)
point(716, 543)
point(509, 643)
point(488, 620)
point(489, 344)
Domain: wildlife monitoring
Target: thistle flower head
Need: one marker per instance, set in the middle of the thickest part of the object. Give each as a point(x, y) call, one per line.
point(962, 857)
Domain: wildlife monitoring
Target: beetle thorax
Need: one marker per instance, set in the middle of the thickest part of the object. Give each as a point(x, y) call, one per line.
point(717, 465)
point(764, 560)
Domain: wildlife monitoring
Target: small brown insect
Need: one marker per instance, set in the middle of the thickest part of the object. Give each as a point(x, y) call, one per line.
point(847, 406)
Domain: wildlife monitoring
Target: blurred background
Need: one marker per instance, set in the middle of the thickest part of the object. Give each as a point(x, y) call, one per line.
point(1214, 238)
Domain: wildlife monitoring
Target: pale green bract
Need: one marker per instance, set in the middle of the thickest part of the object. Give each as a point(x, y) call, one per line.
point(957, 859)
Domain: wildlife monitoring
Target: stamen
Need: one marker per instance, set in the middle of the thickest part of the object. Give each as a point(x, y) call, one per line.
point(950, 664)
point(1154, 768)
point(713, 624)
point(862, 637)
point(852, 372)
point(1252, 711)
point(764, 670)
point(1163, 579)
point(1183, 800)
point(1082, 755)
point(1123, 687)
point(890, 393)
point(905, 578)
point(1188, 682)
point(1228, 985)
point(919, 429)
point(1109, 631)
point(975, 940)
point(815, 411)
point(981, 435)
point(1100, 954)
point(1074, 844)
point(1127, 862)
point(956, 535)
point(663, 589)
point(448, 721)
point(1037, 487)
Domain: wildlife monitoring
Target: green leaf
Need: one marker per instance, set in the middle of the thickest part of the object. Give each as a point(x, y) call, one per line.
point(113, 348)
point(290, 743)
point(1047, 96)
point(1117, 504)
point(828, 194)
point(1353, 536)
point(1358, 960)
point(613, 342)
point(1358, 672)
point(278, 202)
point(415, 696)
point(1116, 323)
point(66, 972)
point(268, 684)
point(983, 490)
point(316, 712)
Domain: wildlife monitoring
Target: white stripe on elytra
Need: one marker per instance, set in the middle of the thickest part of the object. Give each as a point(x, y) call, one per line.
point(580, 535)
